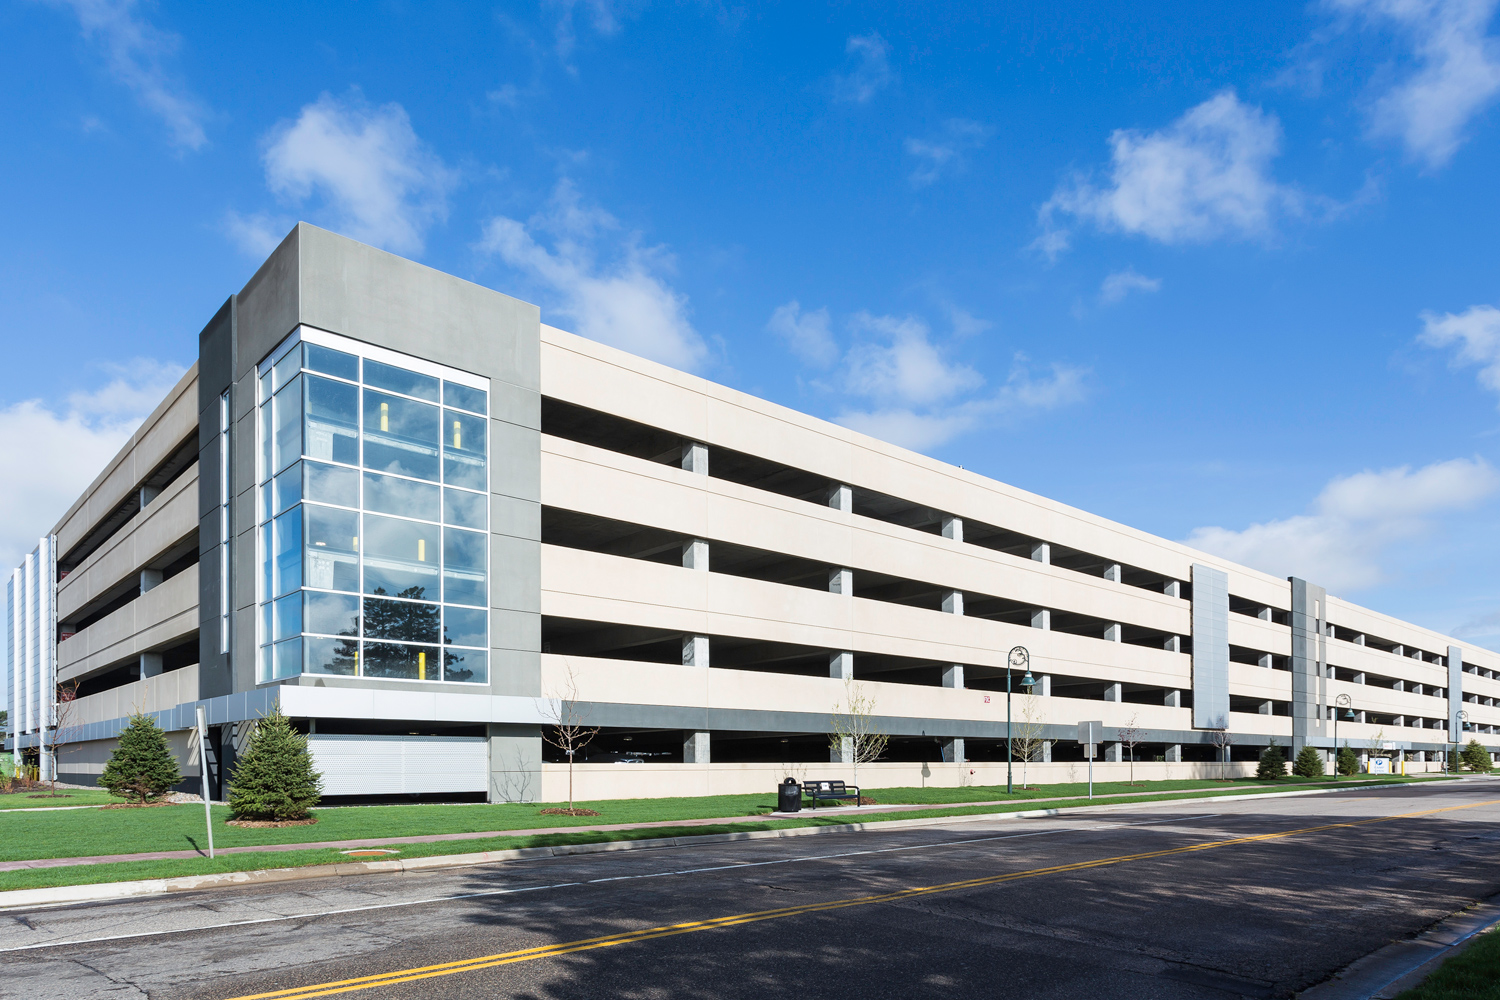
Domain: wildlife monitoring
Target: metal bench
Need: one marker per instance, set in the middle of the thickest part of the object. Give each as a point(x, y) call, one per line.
point(830, 791)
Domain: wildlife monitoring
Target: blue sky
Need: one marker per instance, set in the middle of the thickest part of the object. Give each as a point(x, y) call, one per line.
point(1222, 272)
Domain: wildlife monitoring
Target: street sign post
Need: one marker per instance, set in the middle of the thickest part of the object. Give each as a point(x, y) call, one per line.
point(1088, 735)
point(208, 818)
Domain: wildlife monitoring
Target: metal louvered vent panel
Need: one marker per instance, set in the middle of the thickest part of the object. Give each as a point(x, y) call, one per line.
point(396, 765)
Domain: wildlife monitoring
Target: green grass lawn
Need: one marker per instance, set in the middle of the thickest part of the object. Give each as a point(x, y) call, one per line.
point(41, 798)
point(124, 831)
point(1472, 974)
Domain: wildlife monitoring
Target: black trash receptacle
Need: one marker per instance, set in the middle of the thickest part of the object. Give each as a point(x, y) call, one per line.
point(789, 796)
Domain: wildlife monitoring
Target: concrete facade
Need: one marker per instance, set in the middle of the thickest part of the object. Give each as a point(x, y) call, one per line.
point(703, 577)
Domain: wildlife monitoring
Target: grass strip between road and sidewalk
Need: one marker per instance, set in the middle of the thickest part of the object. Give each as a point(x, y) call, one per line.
point(225, 863)
point(1472, 974)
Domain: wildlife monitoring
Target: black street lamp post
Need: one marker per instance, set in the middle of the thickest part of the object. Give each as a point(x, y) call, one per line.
point(1018, 657)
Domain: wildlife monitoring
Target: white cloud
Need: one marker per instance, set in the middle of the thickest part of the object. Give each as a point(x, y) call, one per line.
point(946, 152)
point(626, 303)
point(902, 365)
point(601, 16)
point(871, 72)
point(1339, 544)
point(808, 335)
point(1121, 283)
point(134, 51)
point(1476, 331)
point(1457, 75)
point(1204, 176)
point(257, 235)
point(379, 182)
point(58, 450)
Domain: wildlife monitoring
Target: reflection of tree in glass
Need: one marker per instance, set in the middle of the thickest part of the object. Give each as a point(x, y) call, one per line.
point(401, 620)
point(452, 672)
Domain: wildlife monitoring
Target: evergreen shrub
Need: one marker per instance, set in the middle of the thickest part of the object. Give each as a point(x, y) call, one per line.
point(142, 766)
point(274, 780)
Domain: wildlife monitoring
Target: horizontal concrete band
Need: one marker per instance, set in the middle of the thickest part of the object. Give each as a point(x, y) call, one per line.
point(304, 702)
point(150, 887)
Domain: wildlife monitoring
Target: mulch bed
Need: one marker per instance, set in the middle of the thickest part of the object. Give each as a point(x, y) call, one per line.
point(865, 800)
point(555, 811)
point(49, 795)
point(265, 824)
point(136, 805)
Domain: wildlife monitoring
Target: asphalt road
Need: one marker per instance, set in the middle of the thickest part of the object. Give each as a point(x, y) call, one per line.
point(1196, 900)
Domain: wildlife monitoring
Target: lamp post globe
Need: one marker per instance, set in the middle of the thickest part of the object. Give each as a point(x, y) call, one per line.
point(1018, 658)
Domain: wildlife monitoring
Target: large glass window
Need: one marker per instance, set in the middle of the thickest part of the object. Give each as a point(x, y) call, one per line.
point(360, 577)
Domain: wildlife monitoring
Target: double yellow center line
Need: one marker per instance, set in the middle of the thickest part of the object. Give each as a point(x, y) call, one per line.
point(693, 926)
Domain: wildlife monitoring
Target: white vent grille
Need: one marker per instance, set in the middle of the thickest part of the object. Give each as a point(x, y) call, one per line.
point(394, 765)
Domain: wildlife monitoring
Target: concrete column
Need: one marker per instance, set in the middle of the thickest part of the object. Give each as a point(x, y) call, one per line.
point(695, 555)
point(1172, 588)
point(953, 602)
point(147, 494)
point(1172, 699)
point(515, 762)
point(1264, 614)
point(1041, 552)
point(1264, 708)
point(841, 498)
point(1265, 660)
point(1112, 572)
point(953, 675)
point(1359, 640)
point(1112, 632)
point(1114, 692)
point(1043, 685)
point(1416, 689)
point(843, 753)
point(841, 581)
point(695, 458)
point(150, 578)
point(1174, 753)
point(1173, 644)
point(1114, 753)
point(1359, 678)
point(1400, 721)
point(1399, 686)
point(841, 666)
point(150, 665)
point(1399, 651)
point(1041, 618)
point(953, 751)
point(695, 651)
point(953, 527)
point(695, 749)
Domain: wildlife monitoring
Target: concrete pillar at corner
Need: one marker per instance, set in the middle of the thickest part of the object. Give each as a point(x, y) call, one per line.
point(1172, 588)
point(151, 664)
point(150, 579)
point(841, 498)
point(843, 753)
point(1113, 572)
point(1114, 753)
point(1046, 751)
point(1113, 632)
point(1172, 644)
point(695, 555)
point(695, 651)
point(1043, 685)
point(1114, 692)
point(841, 666)
point(953, 675)
point(515, 762)
point(1041, 618)
point(953, 527)
point(1455, 691)
point(953, 602)
point(1265, 660)
point(695, 458)
point(1210, 647)
point(1309, 654)
point(1174, 753)
point(695, 748)
point(841, 581)
point(1172, 698)
point(953, 751)
point(1042, 553)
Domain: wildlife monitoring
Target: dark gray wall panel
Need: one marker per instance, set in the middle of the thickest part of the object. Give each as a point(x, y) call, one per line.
point(1210, 647)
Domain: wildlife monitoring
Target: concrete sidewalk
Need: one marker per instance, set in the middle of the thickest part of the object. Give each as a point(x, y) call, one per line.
point(341, 845)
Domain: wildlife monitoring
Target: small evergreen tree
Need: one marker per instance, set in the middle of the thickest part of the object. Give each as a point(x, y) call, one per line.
point(1476, 758)
point(275, 779)
point(142, 765)
point(1309, 763)
point(1272, 763)
point(1348, 761)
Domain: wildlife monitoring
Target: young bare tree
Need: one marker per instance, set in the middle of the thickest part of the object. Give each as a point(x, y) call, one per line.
point(1130, 736)
point(855, 731)
point(1026, 733)
point(1222, 740)
point(570, 731)
point(66, 729)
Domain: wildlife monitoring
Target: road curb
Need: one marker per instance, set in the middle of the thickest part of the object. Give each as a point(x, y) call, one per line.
point(102, 891)
point(1401, 965)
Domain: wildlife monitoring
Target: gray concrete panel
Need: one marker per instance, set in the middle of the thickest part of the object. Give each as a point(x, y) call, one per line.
point(515, 573)
point(268, 307)
point(517, 518)
point(516, 630)
point(1210, 647)
point(515, 763)
point(1309, 688)
point(516, 405)
point(515, 461)
point(1455, 690)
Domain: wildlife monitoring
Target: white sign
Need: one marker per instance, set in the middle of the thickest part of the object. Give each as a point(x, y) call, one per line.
point(1380, 765)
